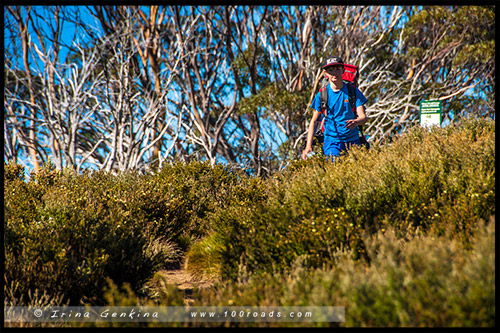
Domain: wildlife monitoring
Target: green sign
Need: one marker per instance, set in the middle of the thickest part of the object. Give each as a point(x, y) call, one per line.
point(430, 113)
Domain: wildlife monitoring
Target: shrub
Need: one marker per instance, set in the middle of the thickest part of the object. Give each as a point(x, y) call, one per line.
point(372, 231)
point(68, 233)
point(75, 235)
point(425, 281)
point(198, 190)
point(441, 180)
point(206, 255)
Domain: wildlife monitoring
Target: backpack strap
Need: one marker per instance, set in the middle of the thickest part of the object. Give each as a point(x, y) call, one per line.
point(323, 97)
point(352, 100)
point(352, 97)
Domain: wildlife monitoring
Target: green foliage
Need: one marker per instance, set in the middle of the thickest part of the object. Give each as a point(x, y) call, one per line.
point(454, 42)
point(276, 99)
point(443, 180)
point(252, 66)
point(67, 233)
point(124, 296)
point(13, 172)
point(77, 233)
point(396, 235)
point(473, 27)
point(424, 281)
point(204, 257)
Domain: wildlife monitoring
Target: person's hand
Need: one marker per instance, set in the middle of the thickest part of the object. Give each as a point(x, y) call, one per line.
point(351, 123)
point(306, 151)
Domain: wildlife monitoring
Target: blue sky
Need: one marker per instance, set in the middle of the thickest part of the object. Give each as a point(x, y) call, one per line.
point(70, 36)
point(273, 138)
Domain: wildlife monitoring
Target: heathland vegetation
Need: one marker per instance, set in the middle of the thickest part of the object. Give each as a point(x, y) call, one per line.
point(401, 235)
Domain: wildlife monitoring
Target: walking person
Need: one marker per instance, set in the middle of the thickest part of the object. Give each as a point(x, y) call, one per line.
point(341, 123)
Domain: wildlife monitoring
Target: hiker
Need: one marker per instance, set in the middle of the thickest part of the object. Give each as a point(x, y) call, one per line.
point(341, 123)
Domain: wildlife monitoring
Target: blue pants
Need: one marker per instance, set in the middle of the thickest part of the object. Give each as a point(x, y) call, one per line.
point(333, 149)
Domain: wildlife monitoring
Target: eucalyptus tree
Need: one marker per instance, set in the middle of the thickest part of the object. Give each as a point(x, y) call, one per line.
point(136, 87)
point(410, 54)
point(452, 52)
point(90, 102)
point(38, 110)
point(135, 102)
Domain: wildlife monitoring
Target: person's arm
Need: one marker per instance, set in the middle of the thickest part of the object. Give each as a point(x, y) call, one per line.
point(360, 120)
point(310, 135)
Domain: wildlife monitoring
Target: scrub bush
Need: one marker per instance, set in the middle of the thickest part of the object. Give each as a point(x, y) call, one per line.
point(425, 281)
point(395, 234)
point(67, 233)
point(440, 180)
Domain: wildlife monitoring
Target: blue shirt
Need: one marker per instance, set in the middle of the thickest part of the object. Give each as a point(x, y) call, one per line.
point(339, 110)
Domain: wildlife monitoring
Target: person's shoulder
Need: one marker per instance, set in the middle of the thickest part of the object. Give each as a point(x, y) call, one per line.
point(350, 84)
point(345, 87)
point(316, 99)
point(357, 90)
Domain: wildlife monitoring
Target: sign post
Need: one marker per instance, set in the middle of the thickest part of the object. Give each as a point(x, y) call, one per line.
point(430, 113)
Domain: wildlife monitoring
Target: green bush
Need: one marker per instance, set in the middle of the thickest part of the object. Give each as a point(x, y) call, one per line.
point(394, 233)
point(198, 190)
point(74, 235)
point(205, 257)
point(425, 281)
point(67, 233)
point(441, 180)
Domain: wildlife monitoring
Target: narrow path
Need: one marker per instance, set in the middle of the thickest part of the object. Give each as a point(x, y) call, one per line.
point(184, 282)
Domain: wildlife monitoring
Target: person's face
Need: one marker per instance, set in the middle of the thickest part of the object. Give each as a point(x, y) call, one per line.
point(334, 72)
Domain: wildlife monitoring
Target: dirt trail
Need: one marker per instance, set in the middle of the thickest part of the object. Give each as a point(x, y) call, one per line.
point(184, 282)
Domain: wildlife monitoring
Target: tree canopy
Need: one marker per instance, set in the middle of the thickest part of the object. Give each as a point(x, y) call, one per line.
point(132, 88)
